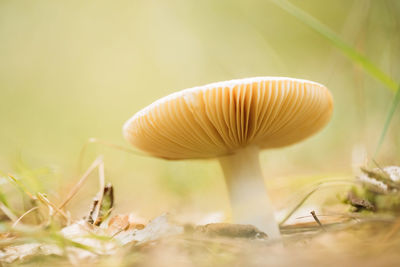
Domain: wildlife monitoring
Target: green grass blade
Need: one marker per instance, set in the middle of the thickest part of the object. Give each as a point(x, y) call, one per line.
point(315, 188)
point(337, 41)
point(389, 117)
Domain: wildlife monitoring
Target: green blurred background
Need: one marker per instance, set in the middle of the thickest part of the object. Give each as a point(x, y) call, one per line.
point(71, 70)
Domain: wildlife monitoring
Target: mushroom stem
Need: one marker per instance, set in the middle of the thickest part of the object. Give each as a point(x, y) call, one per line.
point(249, 200)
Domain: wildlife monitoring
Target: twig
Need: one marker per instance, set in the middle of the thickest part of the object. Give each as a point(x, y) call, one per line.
point(317, 220)
point(340, 215)
point(78, 185)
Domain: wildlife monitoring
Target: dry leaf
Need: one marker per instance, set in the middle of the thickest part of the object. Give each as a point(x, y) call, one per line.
point(120, 223)
point(98, 213)
point(159, 227)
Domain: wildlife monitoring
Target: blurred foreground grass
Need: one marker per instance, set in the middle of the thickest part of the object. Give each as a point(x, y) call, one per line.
point(366, 235)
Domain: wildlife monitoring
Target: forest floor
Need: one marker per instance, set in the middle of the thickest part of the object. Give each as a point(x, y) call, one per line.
point(44, 235)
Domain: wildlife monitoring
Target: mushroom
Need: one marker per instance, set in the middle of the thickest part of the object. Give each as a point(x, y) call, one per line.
point(233, 121)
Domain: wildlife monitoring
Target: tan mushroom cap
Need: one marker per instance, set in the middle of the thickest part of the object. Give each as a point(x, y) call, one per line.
point(219, 118)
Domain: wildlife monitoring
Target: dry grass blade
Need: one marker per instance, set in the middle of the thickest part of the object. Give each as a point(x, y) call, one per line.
point(51, 206)
point(99, 211)
point(382, 176)
point(78, 185)
point(23, 215)
point(100, 194)
point(105, 143)
point(21, 186)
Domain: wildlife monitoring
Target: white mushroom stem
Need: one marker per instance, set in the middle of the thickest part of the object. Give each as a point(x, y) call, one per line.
point(249, 200)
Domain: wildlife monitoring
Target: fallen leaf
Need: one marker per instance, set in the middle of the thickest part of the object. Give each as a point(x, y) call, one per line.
point(159, 227)
point(120, 223)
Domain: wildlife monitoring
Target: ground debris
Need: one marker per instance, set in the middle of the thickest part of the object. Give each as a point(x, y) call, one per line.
point(230, 230)
point(90, 242)
point(127, 240)
point(380, 190)
point(359, 203)
point(23, 252)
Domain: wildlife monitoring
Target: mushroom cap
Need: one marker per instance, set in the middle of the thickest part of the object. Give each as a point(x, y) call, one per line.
point(219, 118)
